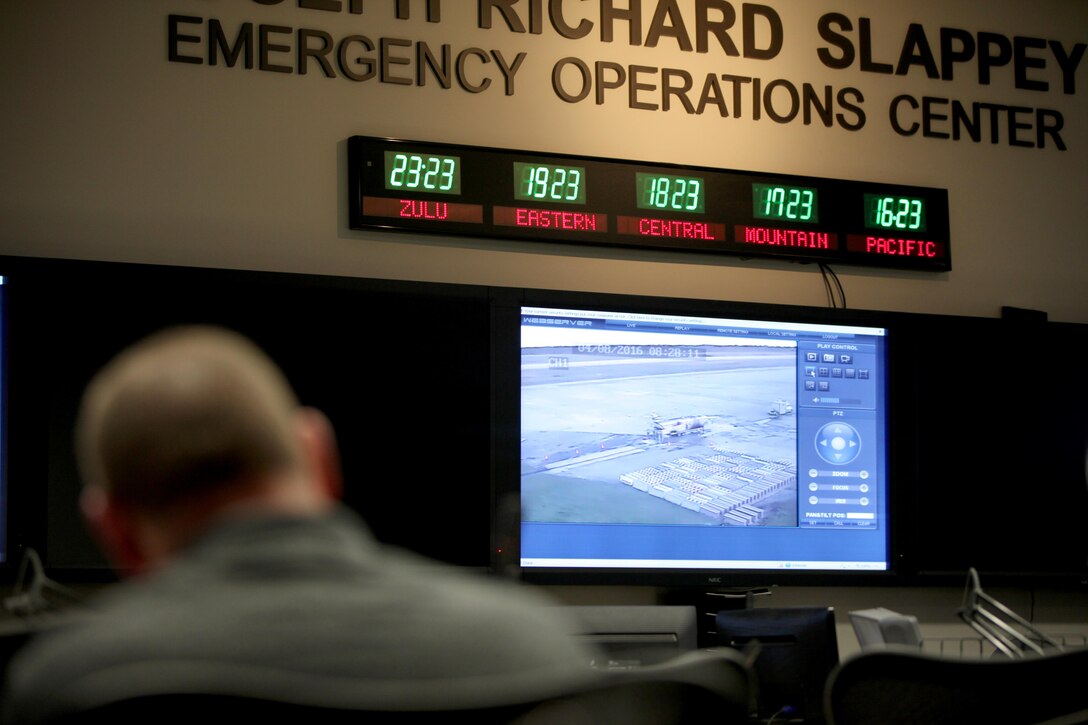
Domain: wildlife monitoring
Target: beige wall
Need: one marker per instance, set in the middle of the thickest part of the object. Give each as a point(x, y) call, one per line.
point(110, 151)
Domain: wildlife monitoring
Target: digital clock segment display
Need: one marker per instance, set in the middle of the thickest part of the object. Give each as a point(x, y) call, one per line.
point(548, 182)
point(895, 213)
point(784, 203)
point(662, 192)
point(530, 196)
point(422, 172)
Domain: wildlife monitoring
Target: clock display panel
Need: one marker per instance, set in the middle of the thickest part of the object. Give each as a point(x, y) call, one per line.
point(535, 197)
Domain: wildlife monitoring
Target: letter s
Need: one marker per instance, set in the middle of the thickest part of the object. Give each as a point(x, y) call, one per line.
point(835, 39)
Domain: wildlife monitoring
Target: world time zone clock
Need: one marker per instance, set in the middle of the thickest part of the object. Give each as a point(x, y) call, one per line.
point(529, 196)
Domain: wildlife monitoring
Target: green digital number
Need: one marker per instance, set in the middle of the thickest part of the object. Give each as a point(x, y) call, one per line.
point(545, 182)
point(405, 171)
point(900, 213)
point(784, 203)
point(670, 193)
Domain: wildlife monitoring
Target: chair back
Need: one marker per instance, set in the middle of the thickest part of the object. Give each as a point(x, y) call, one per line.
point(899, 686)
point(693, 688)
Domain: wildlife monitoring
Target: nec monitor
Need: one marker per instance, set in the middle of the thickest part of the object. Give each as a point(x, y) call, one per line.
point(691, 448)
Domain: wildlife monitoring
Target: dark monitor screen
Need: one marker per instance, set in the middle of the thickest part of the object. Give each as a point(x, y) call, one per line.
point(689, 444)
point(1000, 428)
point(400, 369)
point(3, 423)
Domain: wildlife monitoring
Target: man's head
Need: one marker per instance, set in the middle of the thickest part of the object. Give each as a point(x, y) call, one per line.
point(185, 426)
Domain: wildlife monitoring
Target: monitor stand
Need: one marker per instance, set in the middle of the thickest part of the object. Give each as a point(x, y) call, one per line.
point(708, 602)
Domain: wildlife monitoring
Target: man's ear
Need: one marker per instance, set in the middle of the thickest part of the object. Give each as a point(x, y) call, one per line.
point(115, 530)
point(320, 452)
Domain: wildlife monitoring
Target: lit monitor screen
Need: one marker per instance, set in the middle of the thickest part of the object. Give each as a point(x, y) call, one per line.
point(697, 444)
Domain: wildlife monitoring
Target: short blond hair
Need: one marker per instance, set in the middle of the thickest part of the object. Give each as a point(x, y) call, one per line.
point(184, 411)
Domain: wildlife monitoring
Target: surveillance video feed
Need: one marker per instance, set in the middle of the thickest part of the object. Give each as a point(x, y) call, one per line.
point(656, 423)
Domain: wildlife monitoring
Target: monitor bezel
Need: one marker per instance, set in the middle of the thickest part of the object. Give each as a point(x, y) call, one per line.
point(506, 441)
point(6, 538)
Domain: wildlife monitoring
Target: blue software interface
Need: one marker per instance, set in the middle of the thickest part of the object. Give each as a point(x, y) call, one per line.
point(664, 441)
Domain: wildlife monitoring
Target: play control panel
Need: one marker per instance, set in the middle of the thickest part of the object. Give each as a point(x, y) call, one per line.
point(839, 460)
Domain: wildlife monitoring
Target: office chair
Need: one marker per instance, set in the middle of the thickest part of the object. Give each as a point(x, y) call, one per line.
point(714, 685)
point(692, 688)
point(898, 686)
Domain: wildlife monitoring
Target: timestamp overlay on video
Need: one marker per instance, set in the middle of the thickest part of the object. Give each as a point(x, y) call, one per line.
point(656, 428)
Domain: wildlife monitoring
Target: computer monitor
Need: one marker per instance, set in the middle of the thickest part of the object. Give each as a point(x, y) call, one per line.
point(972, 473)
point(399, 368)
point(3, 422)
point(628, 636)
point(665, 447)
point(795, 649)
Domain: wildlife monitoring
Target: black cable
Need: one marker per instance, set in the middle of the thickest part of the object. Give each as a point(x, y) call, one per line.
point(838, 284)
point(833, 286)
point(827, 285)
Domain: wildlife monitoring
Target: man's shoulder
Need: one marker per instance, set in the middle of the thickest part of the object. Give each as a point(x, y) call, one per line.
point(392, 624)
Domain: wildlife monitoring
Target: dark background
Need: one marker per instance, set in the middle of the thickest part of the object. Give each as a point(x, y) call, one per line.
point(987, 415)
point(391, 365)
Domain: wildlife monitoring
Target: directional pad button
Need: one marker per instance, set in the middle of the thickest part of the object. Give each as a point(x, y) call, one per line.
point(838, 443)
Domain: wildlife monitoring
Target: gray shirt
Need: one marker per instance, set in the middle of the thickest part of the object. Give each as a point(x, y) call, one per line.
point(307, 610)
